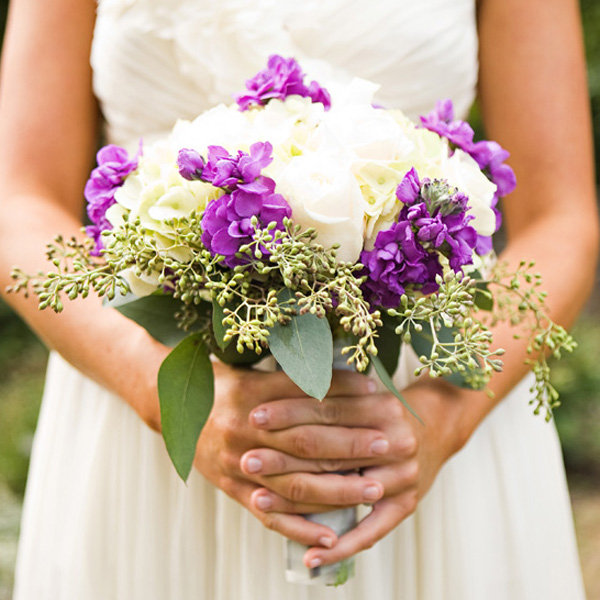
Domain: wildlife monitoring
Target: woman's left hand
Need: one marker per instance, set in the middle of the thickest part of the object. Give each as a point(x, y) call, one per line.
point(406, 468)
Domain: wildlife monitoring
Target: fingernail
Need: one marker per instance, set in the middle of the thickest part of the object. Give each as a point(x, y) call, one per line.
point(372, 386)
point(326, 541)
point(371, 493)
point(254, 465)
point(314, 563)
point(380, 446)
point(264, 502)
point(260, 417)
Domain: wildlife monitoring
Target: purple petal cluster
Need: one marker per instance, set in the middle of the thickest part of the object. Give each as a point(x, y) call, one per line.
point(227, 221)
point(114, 164)
point(441, 121)
point(432, 223)
point(283, 77)
point(490, 157)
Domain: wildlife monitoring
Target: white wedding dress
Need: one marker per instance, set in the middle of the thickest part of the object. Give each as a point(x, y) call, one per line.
point(105, 515)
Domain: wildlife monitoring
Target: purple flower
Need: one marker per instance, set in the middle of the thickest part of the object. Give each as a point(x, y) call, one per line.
point(114, 164)
point(441, 121)
point(190, 164)
point(283, 77)
point(490, 157)
point(409, 188)
point(432, 223)
point(227, 221)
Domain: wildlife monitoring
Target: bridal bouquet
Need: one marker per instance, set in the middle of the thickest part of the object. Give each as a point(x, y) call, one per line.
point(291, 219)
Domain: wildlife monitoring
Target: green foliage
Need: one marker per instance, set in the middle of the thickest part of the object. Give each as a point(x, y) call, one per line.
point(185, 389)
point(22, 362)
point(577, 379)
point(591, 28)
point(385, 378)
point(156, 314)
point(388, 344)
point(303, 347)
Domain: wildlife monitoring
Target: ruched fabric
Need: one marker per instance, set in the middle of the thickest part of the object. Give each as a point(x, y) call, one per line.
point(105, 515)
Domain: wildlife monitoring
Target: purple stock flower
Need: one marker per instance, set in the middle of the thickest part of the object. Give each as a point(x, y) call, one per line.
point(190, 164)
point(441, 121)
point(489, 155)
point(227, 221)
point(223, 170)
point(432, 222)
point(114, 164)
point(283, 77)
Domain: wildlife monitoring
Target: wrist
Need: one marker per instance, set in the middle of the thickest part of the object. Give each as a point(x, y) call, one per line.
point(138, 383)
point(449, 413)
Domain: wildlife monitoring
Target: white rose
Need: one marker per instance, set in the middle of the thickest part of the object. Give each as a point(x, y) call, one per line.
point(368, 132)
point(324, 194)
point(461, 171)
point(220, 126)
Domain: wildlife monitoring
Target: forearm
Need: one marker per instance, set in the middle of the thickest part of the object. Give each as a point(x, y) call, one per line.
point(96, 340)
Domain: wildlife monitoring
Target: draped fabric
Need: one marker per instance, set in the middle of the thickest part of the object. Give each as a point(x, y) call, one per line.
point(105, 515)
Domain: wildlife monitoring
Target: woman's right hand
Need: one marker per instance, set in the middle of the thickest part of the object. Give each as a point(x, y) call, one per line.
point(227, 435)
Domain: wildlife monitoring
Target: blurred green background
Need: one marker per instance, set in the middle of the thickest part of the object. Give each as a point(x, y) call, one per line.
point(23, 357)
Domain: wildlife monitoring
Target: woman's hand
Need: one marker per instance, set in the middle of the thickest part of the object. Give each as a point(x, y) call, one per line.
point(228, 435)
point(407, 457)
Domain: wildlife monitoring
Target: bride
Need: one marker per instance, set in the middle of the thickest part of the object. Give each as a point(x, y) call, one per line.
point(474, 504)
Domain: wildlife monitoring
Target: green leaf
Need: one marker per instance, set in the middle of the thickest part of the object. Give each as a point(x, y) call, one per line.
point(218, 315)
point(155, 313)
point(483, 298)
point(389, 384)
point(388, 344)
point(304, 350)
point(226, 351)
point(422, 343)
point(185, 391)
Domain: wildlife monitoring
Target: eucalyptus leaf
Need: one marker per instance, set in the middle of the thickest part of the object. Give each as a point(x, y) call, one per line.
point(155, 313)
point(304, 350)
point(185, 391)
point(483, 298)
point(422, 343)
point(389, 384)
point(388, 344)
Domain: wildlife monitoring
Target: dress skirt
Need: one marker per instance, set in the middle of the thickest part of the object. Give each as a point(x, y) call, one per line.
point(106, 517)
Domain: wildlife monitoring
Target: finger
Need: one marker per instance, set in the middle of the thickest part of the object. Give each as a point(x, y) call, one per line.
point(350, 383)
point(292, 526)
point(325, 489)
point(397, 478)
point(386, 515)
point(251, 387)
point(266, 461)
point(267, 501)
point(277, 385)
point(374, 410)
point(324, 441)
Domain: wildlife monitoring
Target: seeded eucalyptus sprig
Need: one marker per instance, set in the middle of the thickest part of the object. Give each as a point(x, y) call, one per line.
point(180, 263)
point(454, 342)
point(76, 273)
point(519, 301)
